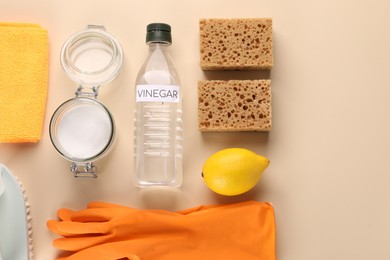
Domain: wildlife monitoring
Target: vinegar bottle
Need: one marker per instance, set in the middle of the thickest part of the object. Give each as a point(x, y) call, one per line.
point(158, 125)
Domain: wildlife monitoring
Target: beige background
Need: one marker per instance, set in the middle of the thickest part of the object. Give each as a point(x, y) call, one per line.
point(329, 147)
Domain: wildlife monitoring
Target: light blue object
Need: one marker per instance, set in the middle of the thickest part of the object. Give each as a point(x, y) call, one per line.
point(14, 243)
point(1, 192)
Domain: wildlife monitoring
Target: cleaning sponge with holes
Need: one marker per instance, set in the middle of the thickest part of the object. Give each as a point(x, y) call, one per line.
point(236, 44)
point(234, 105)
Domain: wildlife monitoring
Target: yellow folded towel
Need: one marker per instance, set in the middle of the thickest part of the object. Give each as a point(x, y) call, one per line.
point(24, 62)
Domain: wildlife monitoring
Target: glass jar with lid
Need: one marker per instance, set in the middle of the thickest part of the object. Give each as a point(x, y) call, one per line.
point(82, 129)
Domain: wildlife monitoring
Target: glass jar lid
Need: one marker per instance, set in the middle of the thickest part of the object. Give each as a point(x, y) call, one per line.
point(92, 57)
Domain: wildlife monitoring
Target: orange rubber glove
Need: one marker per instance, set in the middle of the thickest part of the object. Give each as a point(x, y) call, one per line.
point(106, 231)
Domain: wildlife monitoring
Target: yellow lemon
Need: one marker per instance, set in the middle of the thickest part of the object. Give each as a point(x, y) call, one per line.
point(233, 171)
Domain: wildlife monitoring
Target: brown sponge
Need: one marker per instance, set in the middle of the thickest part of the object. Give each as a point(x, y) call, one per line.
point(236, 44)
point(234, 105)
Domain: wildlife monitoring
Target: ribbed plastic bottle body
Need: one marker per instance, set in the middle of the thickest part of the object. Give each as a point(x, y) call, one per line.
point(158, 126)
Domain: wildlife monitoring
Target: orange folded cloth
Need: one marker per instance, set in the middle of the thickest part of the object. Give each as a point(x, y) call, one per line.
point(107, 231)
point(23, 81)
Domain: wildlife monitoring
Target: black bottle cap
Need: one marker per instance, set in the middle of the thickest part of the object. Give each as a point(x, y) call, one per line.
point(158, 32)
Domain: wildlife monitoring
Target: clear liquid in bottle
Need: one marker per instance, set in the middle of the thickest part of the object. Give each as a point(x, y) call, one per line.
point(158, 126)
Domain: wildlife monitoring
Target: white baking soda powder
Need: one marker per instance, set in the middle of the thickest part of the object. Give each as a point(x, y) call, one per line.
point(84, 131)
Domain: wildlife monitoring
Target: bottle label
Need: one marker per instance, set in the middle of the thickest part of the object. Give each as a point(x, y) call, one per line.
point(157, 93)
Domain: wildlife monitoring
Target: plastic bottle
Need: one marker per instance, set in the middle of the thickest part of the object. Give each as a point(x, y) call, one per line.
point(158, 126)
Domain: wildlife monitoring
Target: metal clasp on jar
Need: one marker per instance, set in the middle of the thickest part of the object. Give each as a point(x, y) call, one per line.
point(87, 91)
point(83, 170)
